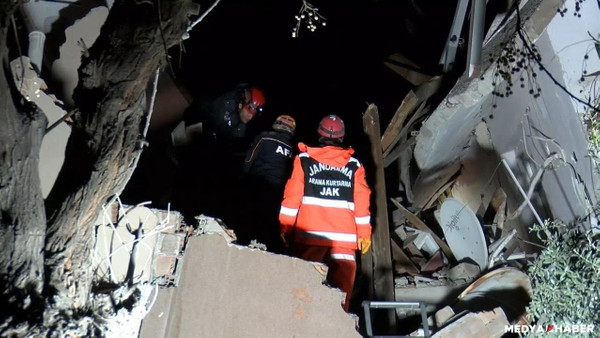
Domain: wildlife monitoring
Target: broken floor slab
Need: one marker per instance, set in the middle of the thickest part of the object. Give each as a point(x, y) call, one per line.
point(231, 291)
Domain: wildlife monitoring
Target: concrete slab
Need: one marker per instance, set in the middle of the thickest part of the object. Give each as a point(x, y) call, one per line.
point(232, 291)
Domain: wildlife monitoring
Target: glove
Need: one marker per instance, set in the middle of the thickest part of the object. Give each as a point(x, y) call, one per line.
point(364, 244)
point(283, 236)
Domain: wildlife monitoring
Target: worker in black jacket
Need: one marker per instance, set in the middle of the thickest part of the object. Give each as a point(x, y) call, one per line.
point(224, 118)
point(210, 144)
point(269, 157)
point(267, 166)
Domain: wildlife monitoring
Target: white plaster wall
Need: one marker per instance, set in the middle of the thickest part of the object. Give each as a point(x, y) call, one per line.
point(40, 15)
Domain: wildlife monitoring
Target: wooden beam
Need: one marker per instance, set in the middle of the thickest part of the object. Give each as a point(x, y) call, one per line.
point(428, 183)
point(402, 263)
point(383, 278)
point(422, 110)
point(429, 88)
point(390, 136)
point(438, 193)
point(397, 152)
point(417, 223)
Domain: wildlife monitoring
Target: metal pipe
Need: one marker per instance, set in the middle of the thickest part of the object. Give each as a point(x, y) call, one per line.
point(394, 305)
point(36, 49)
point(514, 178)
point(476, 36)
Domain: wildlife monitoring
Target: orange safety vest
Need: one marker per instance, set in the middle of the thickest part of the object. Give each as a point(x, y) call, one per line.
point(326, 200)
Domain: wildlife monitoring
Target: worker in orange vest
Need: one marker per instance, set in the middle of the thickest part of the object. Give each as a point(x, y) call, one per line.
point(324, 214)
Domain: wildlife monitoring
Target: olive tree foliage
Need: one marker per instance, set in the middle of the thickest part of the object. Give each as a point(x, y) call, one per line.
point(45, 245)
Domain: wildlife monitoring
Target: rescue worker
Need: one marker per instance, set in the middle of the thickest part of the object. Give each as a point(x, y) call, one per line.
point(223, 119)
point(269, 158)
point(267, 166)
point(213, 143)
point(324, 214)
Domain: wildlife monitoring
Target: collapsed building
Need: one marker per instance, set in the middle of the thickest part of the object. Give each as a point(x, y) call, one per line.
point(475, 165)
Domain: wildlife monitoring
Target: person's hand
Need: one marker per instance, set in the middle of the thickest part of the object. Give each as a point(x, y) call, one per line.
point(364, 244)
point(284, 240)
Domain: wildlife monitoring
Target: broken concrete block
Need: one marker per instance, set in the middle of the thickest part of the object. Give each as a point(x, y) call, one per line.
point(209, 225)
point(483, 324)
point(171, 244)
point(401, 281)
point(464, 271)
point(401, 231)
point(442, 316)
point(164, 265)
point(231, 291)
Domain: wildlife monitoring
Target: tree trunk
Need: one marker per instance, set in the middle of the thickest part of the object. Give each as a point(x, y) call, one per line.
point(106, 136)
point(22, 216)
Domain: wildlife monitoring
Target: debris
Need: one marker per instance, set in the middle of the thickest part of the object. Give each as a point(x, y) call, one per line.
point(483, 324)
point(232, 291)
point(434, 263)
point(464, 271)
point(495, 249)
point(417, 223)
point(420, 112)
point(424, 241)
point(389, 137)
point(254, 244)
point(498, 208)
point(442, 316)
point(402, 263)
point(429, 183)
point(209, 225)
point(507, 287)
point(436, 293)
point(137, 244)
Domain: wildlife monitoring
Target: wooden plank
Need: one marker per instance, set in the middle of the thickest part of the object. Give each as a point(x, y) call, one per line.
point(383, 278)
point(438, 193)
point(429, 182)
point(398, 151)
point(404, 168)
point(417, 223)
point(395, 125)
point(402, 263)
point(404, 131)
point(429, 88)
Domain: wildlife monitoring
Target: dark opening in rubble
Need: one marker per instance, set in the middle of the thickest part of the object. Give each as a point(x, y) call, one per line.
point(337, 69)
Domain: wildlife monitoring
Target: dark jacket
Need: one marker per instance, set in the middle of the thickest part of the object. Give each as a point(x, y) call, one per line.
point(269, 159)
point(220, 116)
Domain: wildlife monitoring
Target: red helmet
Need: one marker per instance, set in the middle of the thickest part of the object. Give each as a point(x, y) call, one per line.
point(255, 100)
point(285, 123)
point(332, 127)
